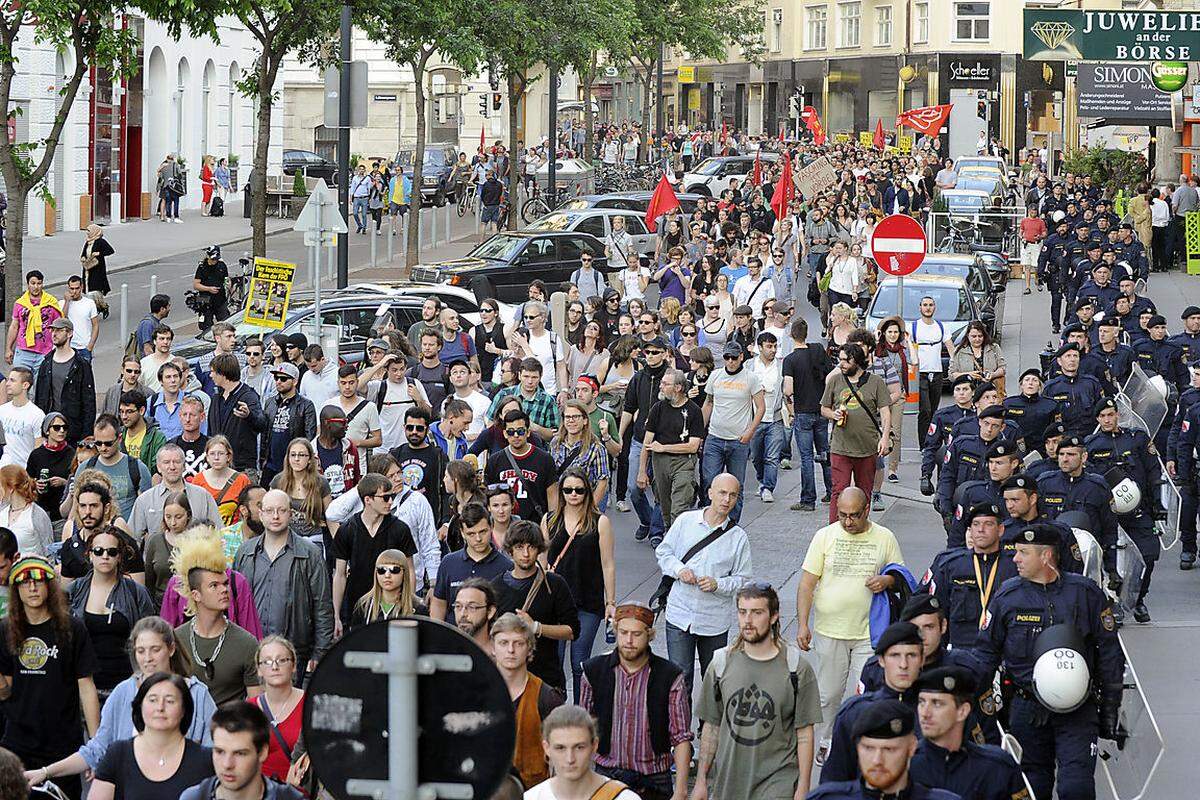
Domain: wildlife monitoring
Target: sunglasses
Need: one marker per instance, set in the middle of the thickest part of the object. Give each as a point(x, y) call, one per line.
point(645, 322)
point(389, 569)
point(105, 442)
point(279, 376)
point(531, 317)
point(111, 552)
point(414, 428)
point(585, 260)
point(388, 496)
point(336, 419)
point(58, 426)
point(688, 334)
point(133, 372)
point(516, 431)
point(580, 490)
point(653, 352)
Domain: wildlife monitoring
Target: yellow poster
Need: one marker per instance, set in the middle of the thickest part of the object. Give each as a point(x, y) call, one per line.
point(693, 99)
point(270, 292)
point(687, 74)
point(866, 138)
point(842, 138)
point(905, 143)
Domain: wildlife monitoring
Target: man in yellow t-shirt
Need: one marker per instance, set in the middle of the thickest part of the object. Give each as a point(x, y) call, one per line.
point(840, 576)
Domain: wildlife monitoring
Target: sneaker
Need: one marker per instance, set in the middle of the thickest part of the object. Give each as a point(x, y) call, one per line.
point(622, 506)
point(803, 507)
point(1026, 292)
point(893, 478)
point(825, 498)
point(785, 463)
point(641, 534)
point(177, 221)
point(767, 496)
point(1141, 613)
point(1041, 288)
point(1187, 560)
point(655, 541)
point(876, 501)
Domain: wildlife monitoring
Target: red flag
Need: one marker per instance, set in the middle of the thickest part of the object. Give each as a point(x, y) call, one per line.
point(813, 121)
point(482, 141)
point(756, 175)
point(927, 120)
point(785, 189)
point(781, 139)
point(879, 141)
point(724, 140)
point(664, 200)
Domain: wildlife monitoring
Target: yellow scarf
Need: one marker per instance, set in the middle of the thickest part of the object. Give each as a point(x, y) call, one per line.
point(34, 327)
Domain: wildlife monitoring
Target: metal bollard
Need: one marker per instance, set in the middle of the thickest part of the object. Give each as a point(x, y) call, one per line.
point(433, 221)
point(404, 240)
point(446, 214)
point(374, 245)
point(124, 312)
point(391, 235)
point(153, 285)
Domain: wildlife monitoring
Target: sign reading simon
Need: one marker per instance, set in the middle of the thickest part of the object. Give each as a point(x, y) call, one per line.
point(1121, 91)
point(1055, 35)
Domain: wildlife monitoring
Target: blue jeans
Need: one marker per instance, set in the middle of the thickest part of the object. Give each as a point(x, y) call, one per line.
point(811, 432)
point(85, 355)
point(361, 212)
point(581, 647)
point(682, 647)
point(649, 515)
point(765, 448)
point(171, 205)
point(28, 358)
point(724, 455)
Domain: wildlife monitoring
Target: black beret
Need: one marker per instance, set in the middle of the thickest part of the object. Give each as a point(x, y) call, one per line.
point(1002, 450)
point(1032, 371)
point(1189, 312)
point(961, 379)
point(1157, 319)
point(884, 719)
point(1019, 481)
point(1104, 405)
point(1072, 441)
point(1094, 245)
point(1084, 302)
point(947, 680)
point(1074, 327)
point(986, 509)
point(1109, 322)
point(1126, 226)
point(1039, 533)
point(1148, 310)
point(921, 604)
point(1068, 347)
point(981, 389)
point(992, 412)
point(1054, 429)
point(897, 633)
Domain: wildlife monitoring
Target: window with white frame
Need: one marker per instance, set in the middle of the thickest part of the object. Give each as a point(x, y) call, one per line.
point(849, 24)
point(921, 29)
point(971, 21)
point(776, 30)
point(816, 27)
point(883, 25)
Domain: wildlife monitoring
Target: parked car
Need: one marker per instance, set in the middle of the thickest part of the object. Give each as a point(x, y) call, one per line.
point(712, 175)
point(627, 201)
point(598, 222)
point(436, 187)
point(505, 264)
point(310, 164)
point(980, 164)
point(956, 307)
point(971, 268)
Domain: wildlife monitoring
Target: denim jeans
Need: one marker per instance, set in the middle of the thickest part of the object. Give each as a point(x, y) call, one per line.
point(28, 358)
point(581, 647)
point(171, 205)
point(811, 433)
point(361, 211)
point(765, 448)
point(85, 355)
point(682, 648)
point(649, 515)
point(724, 455)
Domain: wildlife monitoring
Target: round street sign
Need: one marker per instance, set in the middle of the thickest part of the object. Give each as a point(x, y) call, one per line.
point(898, 244)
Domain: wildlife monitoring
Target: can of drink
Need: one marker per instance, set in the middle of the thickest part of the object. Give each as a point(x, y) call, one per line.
point(610, 635)
point(44, 475)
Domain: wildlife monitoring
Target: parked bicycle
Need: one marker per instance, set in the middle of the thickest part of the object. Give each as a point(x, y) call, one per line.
point(539, 204)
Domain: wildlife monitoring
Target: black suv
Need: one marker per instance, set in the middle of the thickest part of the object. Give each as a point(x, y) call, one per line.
point(436, 186)
point(309, 164)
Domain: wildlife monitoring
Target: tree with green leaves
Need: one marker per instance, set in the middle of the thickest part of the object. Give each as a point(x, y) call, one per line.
point(413, 32)
point(305, 27)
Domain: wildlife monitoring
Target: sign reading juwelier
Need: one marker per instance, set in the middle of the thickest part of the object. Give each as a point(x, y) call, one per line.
point(1055, 35)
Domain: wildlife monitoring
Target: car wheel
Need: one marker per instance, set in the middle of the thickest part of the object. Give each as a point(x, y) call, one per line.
point(699, 189)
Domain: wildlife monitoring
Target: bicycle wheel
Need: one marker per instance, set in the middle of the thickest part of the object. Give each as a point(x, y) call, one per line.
point(534, 208)
point(462, 201)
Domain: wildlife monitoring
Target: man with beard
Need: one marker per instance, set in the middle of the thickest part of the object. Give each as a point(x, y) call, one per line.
point(883, 743)
point(249, 522)
point(640, 702)
point(92, 502)
point(945, 757)
point(474, 609)
point(762, 684)
point(421, 461)
point(901, 651)
point(541, 599)
point(513, 650)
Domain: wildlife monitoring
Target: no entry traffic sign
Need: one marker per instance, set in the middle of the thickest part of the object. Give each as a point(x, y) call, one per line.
point(898, 245)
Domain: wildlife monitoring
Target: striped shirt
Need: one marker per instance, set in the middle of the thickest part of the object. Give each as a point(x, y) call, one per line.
point(630, 740)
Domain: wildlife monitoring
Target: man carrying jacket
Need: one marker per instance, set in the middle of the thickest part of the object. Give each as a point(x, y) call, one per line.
point(291, 588)
point(237, 412)
point(289, 416)
point(65, 383)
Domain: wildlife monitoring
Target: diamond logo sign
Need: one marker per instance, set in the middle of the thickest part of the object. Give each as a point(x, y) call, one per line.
point(1053, 34)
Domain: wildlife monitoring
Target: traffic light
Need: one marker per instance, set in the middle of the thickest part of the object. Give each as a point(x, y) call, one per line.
point(496, 99)
point(483, 105)
point(794, 106)
point(981, 110)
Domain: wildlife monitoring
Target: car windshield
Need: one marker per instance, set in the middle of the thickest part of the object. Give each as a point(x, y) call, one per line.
point(709, 166)
point(964, 202)
point(551, 222)
point(953, 304)
point(967, 272)
point(434, 157)
point(500, 247)
point(578, 204)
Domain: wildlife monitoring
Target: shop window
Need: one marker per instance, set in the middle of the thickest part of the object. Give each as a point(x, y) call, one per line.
point(971, 21)
point(883, 26)
point(921, 29)
point(849, 24)
point(817, 18)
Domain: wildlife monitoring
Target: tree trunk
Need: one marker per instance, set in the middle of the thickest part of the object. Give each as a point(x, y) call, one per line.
point(14, 248)
point(516, 90)
point(589, 118)
point(262, 149)
point(413, 253)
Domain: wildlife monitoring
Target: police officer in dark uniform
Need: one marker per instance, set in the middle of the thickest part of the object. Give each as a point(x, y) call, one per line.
point(1050, 439)
point(883, 740)
point(1002, 461)
point(1188, 339)
point(1021, 504)
point(900, 650)
point(1118, 359)
point(1081, 266)
point(1083, 319)
point(1132, 451)
point(966, 459)
point(1052, 269)
point(1099, 288)
point(986, 395)
point(946, 757)
point(1088, 363)
point(1186, 481)
point(1076, 394)
point(1041, 597)
point(1159, 356)
point(940, 426)
point(1073, 488)
point(1031, 410)
point(1131, 251)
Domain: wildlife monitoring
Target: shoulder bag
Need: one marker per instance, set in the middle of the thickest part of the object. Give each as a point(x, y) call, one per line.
point(658, 601)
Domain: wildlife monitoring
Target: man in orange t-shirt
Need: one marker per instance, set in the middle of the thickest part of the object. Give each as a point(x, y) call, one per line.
point(1033, 231)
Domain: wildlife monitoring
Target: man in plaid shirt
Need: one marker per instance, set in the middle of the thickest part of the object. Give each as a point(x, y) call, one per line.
point(537, 403)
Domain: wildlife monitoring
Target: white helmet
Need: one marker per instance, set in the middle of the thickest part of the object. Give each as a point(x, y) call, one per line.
point(1126, 494)
point(1061, 675)
point(1058, 216)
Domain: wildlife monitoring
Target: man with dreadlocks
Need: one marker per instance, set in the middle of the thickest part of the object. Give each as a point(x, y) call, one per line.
point(222, 653)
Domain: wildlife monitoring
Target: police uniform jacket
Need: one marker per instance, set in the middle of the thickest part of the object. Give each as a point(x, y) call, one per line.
point(1069, 556)
point(1187, 401)
point(1089, 364)
point(1032, 416)
point(1188, 343)
point(1076, 397)
point(842, 762)
point(977, 771)
point(965, 460)
point(938, 434)
point(969, 426)
point(1081, 268)
point(1134, 451)
point(856, 790)
point(966, 496)
point(956, 584)
point(1163, 358)
point(1036, 469)
point(1053, 258)
point(1101, 296)
point(1058, 493)
point(1118, 362)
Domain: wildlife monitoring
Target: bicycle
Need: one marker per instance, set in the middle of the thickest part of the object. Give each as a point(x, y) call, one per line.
point(538, 206)
point(239, 282)
point(466, 198)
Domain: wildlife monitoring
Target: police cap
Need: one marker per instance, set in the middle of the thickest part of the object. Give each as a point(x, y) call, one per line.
point(1084, 302)
point(1068, 347)
point(981, 390)
point(1104, 405)
point(1039, 533)
point(1074, 327)
point(1157, 319)
point(955, 680)
point(1019, 481)
point(897, 633)
point(1126, 226)
point(961, 379)
point(1190, 311)
point(1002, 450)
point(1072, 441)
point(1109, 322)
point(921, 604)
point(1054, 429)
point(986, 509)
point(884, 719)
point(1032, 371)
point(992, 412)
point(1148, 310)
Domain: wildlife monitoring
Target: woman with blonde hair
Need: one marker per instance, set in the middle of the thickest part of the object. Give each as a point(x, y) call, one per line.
point(391, 594)
point(281, 701)
point(310, 494)
point(201, 547)
point(576, 445)
point(220, 479)
point(843, 320)
point(668, 315)
point(21, 514)
point(207, 184)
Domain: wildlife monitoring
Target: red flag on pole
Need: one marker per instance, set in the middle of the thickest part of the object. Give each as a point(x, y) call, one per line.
point(812, 121)
point(756, 175)
point(482, 141)
point(781, 139)
point(879, 141)
point(927, 120)
point(664, 200)
point(724, 140)
point(785, 189)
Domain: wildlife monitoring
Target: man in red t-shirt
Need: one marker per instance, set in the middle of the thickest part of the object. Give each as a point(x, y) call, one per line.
point(1033, 231)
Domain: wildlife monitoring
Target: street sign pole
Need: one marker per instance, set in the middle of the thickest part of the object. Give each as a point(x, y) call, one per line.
point(343, 152)
point(898, 244)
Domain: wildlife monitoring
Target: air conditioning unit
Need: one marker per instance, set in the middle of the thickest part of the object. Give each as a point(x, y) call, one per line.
point(777, 16)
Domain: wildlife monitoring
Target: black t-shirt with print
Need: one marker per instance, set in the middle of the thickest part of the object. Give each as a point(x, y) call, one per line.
point(668, 422)
point(44, 716)
point(194, 461)
point(538, 473)
point(355, 545)
point(423, 467)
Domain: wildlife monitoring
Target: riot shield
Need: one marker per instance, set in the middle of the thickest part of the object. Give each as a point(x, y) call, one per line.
point(1129, 766)
point(1091, 554)
point(1168, 529)
point(1142, 403)
point(1130, 566)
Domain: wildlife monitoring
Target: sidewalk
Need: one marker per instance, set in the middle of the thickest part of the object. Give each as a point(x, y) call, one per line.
point(141, 242)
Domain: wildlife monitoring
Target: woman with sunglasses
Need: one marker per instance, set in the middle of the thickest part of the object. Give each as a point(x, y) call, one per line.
point(50, 465)
point(281, 701)
point(28, 521)
point(109, 603)
point(686, 317)
point(581, 552)
point(391, 594)
point(309, 491)
point(152, 649)
point(587, 356)
point(220, 479)
point(490, 344)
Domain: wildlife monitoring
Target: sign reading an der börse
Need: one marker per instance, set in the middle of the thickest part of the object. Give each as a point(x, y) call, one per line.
point(1056, 35)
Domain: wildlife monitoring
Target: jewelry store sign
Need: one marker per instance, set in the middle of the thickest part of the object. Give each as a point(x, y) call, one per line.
point(1069, 34)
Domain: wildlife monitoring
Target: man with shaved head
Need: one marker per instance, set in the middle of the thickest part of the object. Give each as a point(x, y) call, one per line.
point(845, 566)
point(291, 587)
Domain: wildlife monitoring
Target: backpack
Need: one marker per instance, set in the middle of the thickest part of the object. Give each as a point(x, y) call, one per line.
point(131, 345)
point(720, 660)
point(216, 208)
point(135, 474)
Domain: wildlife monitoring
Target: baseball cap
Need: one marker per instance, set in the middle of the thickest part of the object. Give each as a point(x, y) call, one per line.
point(286, 368)
point(62, 323)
